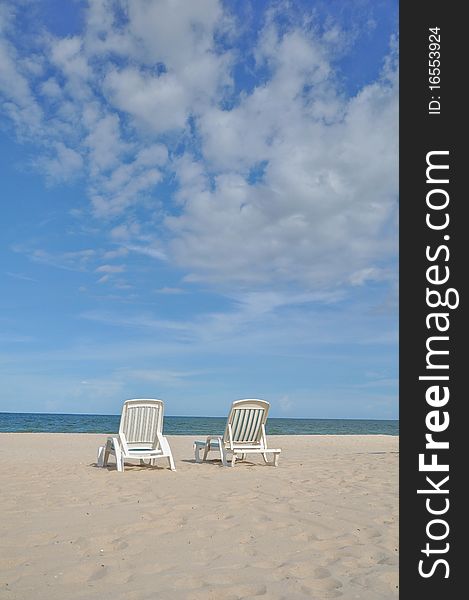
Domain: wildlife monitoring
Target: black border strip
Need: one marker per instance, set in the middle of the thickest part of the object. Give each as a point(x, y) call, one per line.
point(423, 130)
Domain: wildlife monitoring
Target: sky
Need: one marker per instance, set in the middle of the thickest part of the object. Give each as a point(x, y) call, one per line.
point(199, 204)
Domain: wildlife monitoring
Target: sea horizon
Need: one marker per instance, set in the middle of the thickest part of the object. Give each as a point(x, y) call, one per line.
point(36, 422)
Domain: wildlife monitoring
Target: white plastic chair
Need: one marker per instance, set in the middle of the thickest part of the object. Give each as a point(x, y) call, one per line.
point(140, 435)
point(244, 434)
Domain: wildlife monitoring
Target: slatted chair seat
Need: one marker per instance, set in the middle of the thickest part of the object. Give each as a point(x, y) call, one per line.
point(244, 434)
point(140, 435)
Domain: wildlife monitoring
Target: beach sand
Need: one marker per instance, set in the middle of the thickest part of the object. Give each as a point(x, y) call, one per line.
point(323, 524)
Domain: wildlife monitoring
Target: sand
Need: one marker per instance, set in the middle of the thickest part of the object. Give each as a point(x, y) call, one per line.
point(323, 524)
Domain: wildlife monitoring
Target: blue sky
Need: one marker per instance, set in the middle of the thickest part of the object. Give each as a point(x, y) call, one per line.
point(199, 203)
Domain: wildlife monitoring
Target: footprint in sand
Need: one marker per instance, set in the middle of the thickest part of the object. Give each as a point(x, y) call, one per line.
point(321, 573)
point(371, 533)
point(323, 588)
point(98, 573)
point(299, 570)
point(119, 544)
point(304, 537)
point(246, 591)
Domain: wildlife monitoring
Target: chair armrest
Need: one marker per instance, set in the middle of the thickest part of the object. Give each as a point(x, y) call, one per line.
point(209, 438)
point(123, 444)
point(163, 443)
point(113, 441)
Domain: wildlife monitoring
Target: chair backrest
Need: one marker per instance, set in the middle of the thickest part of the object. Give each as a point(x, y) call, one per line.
point(246, 418)
point(141, 419)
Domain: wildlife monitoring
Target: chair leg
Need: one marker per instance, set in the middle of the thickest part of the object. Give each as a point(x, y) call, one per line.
point(233, 459)
point(276, 457)
point(107, 451)
point(223, 456)
point(264, 456)
point(100, 457)
point(119, 459)
point(171, 463)
point(197, 453)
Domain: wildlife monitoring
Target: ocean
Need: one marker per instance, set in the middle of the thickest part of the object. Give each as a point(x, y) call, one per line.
point(58, 423)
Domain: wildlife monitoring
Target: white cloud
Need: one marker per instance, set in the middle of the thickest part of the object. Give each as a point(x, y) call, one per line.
point(152, 251)
point(67, 54)
point(117, 253)
point(16, 97)
point(293, 181)
point(178, 72)
point(21, 277)
point(110, 269)
point(89, 259)
point(70, 261)
point(65, 164)
point(158, 103)
point(255, 318)
point(156, 154)
point(159, 376)
point(322, 210)
point(125, 231)
point(111, 199)
point(104, 143)
point(174, 31)
point(51, 88)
